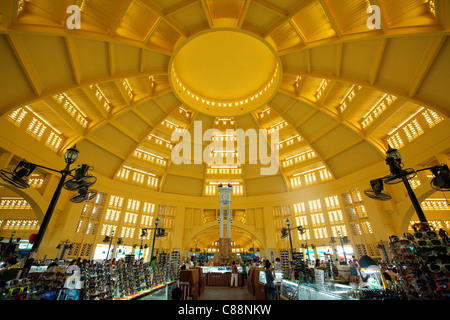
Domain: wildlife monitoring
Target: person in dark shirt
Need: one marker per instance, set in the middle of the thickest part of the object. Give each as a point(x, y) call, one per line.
point(270, 281)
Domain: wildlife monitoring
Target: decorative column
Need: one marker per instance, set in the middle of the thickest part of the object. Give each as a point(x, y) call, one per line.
point(225, 208)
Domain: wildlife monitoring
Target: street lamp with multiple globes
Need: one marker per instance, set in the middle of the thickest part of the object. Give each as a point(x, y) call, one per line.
point(78, 180)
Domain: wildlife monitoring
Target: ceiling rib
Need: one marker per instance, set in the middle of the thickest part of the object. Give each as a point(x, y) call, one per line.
point(156, 10)
point(26, 63)
point(120, 17)
point(70, 44)
point(307, 141)
point(425, 64)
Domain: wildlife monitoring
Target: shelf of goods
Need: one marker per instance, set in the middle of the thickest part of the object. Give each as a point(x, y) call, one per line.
point(101, 280)
point(285, 264)
point(422, 259)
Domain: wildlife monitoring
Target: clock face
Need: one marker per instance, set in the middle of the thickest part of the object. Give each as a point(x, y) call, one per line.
point(225, 197)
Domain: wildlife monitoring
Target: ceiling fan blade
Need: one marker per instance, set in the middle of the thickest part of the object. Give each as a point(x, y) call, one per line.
point(18, 182)
point(382, 195)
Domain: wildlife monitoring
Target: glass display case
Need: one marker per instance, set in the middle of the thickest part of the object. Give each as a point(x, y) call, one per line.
point(164, 293)
point(328, 291)
point(159, 292)
point(278, 277)
point(38, 269)
point(218, 269)
point(335, 291)
point(289, 290)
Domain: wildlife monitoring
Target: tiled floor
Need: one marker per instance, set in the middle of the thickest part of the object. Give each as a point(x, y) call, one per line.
point(225, 293)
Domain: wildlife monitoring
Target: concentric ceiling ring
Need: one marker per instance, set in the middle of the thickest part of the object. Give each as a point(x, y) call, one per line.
point(225, 72)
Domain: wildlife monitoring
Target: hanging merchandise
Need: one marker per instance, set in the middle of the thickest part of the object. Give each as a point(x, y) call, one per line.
point(423, 263)
point(99, 284)
point(285, 265)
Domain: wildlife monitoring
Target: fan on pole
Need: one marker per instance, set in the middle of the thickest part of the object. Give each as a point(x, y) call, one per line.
point(19, 176)
point(377, 192)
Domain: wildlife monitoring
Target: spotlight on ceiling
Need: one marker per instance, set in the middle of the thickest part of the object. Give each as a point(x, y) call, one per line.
point(441, 180)
point(19, 176)
point(376, 192)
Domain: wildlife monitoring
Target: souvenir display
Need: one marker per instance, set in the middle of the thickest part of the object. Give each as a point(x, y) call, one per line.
point(16, 289)
point(48, 285)
point(423, 262)
point(285, 265)
point(99, 283)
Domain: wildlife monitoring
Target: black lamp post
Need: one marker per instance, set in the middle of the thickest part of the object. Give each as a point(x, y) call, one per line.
point(440, 182)
point(394, 161)
point(154, 236)
point(288, 224)
point(143, 234)
point(305, 246)
point(287, 232)
point(342, 244)
point(79, 181)
point(110, 242)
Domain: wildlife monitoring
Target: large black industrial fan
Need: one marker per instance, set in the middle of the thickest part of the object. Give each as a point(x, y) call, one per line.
point(376, 192)
point(144, 232)
point(160, 232)
point(441, 180)
point(394, 179)
point(80, 179)
point(83, 195)
point(284, 233)
point(18, 176)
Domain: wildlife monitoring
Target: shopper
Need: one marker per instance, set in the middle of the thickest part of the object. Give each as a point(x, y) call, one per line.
point(277, 264)
point(317, 265)
point(270, 281)
point(244, 274)
point(234, 275)
point(355, 262)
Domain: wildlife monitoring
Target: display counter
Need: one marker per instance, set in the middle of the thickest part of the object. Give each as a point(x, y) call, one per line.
point(328, 291)
point(253, 279)
point(194, 278)
point(219, 275)
point(159, 292)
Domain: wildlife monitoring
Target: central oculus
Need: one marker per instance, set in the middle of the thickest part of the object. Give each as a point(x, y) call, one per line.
point(225, 72)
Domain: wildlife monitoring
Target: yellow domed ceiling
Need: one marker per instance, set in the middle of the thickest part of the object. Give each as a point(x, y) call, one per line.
point(336, 90)
point(225, 72)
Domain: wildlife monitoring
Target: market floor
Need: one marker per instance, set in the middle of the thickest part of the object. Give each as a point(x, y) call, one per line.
point(225, 293)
